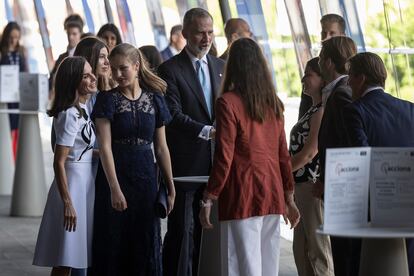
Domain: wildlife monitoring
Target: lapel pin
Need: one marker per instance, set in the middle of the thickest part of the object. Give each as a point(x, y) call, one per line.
point(220, 75)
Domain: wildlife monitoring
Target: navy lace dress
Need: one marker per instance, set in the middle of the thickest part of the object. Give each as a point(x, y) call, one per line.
point(129, 242)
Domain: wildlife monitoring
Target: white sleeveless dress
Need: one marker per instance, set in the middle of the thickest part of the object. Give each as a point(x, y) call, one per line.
point(56, 246)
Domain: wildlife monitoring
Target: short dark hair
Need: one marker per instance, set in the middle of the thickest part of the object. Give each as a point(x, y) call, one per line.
point(73, 21)
point(193, 13)
point(313, 64)
point(334, 18)
point(176, 29)
point(371, 66)
point(232, 26)
point(152, 56)
point(110, 28)
point(339, 49)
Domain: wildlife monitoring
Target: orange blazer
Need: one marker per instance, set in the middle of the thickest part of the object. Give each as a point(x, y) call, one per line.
point(251, 168)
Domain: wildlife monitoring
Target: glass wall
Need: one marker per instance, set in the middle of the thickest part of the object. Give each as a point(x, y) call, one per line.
point(387, 26)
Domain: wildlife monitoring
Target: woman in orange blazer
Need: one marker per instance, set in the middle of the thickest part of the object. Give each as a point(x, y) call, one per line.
point(251, 175)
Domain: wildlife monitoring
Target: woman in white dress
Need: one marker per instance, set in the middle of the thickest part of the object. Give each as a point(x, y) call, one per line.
point(65, 234)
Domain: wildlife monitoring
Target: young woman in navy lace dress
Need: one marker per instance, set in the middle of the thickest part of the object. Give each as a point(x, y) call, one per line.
point(128, 119)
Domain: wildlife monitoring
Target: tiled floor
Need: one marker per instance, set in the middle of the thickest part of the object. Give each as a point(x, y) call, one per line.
point(18, 239)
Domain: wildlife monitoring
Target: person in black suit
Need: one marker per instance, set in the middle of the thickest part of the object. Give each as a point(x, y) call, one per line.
point(193, 78)
point(177, 43)
point(335, 96)
point(374, 114)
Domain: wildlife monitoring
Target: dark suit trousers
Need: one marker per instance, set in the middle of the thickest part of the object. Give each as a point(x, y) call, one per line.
point(346, 254)
point(181, 248)
point(409, 243)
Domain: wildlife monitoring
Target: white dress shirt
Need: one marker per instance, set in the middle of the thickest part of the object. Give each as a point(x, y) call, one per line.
point(205, 131)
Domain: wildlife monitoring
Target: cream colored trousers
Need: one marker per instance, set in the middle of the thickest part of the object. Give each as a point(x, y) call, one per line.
point(312, 251)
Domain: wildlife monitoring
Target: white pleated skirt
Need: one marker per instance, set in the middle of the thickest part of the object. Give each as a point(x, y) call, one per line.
point(55, 246)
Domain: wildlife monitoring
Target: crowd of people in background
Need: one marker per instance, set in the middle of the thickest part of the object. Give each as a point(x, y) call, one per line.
point(123, 114)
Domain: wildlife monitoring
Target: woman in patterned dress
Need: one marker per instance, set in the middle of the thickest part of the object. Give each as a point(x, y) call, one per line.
point(312, 252)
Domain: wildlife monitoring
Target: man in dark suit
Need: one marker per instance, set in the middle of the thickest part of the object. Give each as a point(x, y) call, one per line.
point(332, 134)
point(234, 29)
point(375, 118)
point(193, 78)
point(177, 43)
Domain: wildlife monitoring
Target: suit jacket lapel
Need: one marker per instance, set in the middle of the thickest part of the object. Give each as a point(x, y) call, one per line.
point(215, 78)
point(191, 78)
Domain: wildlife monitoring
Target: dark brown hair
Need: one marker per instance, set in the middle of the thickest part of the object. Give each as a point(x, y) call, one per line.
point(248, 75)
point(176, 29)
point(152, 56)
point(73, 21)
point(371, 66)
point(90, 48)
point(313, 64)
point(4, 43)
point(233, 25)
point(339, 49)
point(334, 18)
point(110, 27)
point(68, 77)
point(146, 77)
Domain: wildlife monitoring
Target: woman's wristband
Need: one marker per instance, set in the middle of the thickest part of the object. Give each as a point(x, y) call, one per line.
point(206, 203)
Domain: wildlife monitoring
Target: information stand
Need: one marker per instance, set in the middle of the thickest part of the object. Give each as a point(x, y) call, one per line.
point(210, 258)
point(29, 187)
point(386, 176)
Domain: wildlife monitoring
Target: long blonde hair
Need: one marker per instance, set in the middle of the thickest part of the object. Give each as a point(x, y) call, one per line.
point(146, 77)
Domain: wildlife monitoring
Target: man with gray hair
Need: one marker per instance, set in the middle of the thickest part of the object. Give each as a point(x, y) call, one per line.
point(193, 78)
